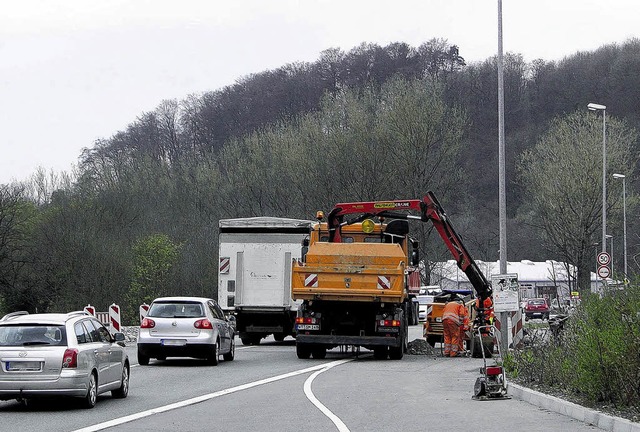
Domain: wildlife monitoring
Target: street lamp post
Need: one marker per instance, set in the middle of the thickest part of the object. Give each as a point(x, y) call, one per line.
point(603, 108)
point(624, 218)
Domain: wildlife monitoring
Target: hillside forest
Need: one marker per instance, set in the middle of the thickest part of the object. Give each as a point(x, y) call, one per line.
point(138, 218)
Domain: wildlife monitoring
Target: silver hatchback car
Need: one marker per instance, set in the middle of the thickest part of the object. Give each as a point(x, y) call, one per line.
point(185, 327)
point(50, 355)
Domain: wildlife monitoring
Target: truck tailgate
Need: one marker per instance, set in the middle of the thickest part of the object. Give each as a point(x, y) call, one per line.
point(352, 272)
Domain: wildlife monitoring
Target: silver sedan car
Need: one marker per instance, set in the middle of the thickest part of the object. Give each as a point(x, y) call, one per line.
point(185, 327)
point(51, 355)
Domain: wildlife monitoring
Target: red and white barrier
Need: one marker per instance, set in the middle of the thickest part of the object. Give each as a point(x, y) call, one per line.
point(110, 319)
point(90, 309)
point(516, 334)
point(114, 318)
point(144, 310)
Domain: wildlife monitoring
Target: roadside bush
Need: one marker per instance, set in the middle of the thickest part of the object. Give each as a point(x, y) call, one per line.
point(596, 356)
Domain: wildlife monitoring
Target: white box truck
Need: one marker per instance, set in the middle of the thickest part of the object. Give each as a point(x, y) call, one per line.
point(254, 274)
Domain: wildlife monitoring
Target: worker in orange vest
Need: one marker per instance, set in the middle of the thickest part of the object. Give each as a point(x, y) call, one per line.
point(455, 321)
point(487, 310)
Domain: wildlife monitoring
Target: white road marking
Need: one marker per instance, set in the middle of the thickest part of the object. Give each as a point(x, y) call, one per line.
point(195, 400)
point(312, 398)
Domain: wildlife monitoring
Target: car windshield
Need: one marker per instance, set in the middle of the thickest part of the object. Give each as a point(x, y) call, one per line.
point(31, 335)
point(176, 310)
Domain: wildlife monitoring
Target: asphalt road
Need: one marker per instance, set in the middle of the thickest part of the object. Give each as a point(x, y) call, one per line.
point(268, 388)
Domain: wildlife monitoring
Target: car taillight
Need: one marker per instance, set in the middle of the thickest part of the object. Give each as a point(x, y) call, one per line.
point(147, 323)
point(70, 358)
point(306, 320)
point(203, 324)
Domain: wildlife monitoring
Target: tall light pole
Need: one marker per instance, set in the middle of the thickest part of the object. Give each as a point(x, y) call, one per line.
point(502, 210)
point(603, 108)
point(624, 218)
point(502, 200)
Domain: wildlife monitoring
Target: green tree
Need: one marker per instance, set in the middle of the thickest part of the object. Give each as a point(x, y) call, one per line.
point(18, 217)
point(562, 180)
point(154, 261)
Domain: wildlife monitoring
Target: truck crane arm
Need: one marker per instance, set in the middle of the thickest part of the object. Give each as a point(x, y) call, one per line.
point(430, 210)
point(433, 211)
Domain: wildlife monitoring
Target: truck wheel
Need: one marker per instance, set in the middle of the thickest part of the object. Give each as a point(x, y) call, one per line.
point(279, 337)
point(319, 352)
point(380, 352)
point(303, 351)
point(431, 340)
point(396, 353)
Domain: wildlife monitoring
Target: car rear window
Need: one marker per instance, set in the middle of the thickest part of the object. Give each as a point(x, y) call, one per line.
point(32, 335)
point(537, 302)
point(176, 310)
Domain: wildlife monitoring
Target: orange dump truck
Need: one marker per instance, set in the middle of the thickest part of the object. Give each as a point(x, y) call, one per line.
point(356, 275)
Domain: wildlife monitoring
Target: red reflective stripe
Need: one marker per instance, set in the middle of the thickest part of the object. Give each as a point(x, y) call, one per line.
point(384, 282)
point(311, 280)
point(224, 264)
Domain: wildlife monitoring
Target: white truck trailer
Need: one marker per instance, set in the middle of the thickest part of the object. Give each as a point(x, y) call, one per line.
point(254, 274)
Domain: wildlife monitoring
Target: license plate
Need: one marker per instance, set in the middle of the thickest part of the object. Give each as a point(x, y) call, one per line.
point(24, 366)
point(174, 342)
point(308, 326)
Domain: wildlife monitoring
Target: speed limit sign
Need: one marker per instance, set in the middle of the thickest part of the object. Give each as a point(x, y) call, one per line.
point(604, 258)
point(604, 272)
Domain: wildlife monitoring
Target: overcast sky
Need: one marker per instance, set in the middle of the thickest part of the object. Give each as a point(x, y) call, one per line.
point(74, 71)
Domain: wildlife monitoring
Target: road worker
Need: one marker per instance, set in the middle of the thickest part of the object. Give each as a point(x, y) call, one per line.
point(487, 310)
point(455, 322)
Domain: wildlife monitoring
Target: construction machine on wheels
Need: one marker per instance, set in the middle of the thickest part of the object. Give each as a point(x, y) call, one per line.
point(356, 275)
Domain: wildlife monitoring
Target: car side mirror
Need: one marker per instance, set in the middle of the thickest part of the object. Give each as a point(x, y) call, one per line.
point(119, 338)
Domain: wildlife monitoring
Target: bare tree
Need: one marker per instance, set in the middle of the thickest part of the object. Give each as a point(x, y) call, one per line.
point(562, 179)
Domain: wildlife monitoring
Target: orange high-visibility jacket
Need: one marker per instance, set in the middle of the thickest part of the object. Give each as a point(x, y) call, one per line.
point(487, 305)
point(457, 313)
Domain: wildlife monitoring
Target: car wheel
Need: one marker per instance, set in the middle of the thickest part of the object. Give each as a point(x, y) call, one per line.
point(213, 356)
point(143, 359)
point(89, 401)
point(123, 391)
point(232, 352)
point(246, 340)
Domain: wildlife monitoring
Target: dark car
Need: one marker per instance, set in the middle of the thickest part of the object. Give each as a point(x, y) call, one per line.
point(536, 308)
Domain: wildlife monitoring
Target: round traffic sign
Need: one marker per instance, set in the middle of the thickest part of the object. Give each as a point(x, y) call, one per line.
point(604, 258)
point(604, 272)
